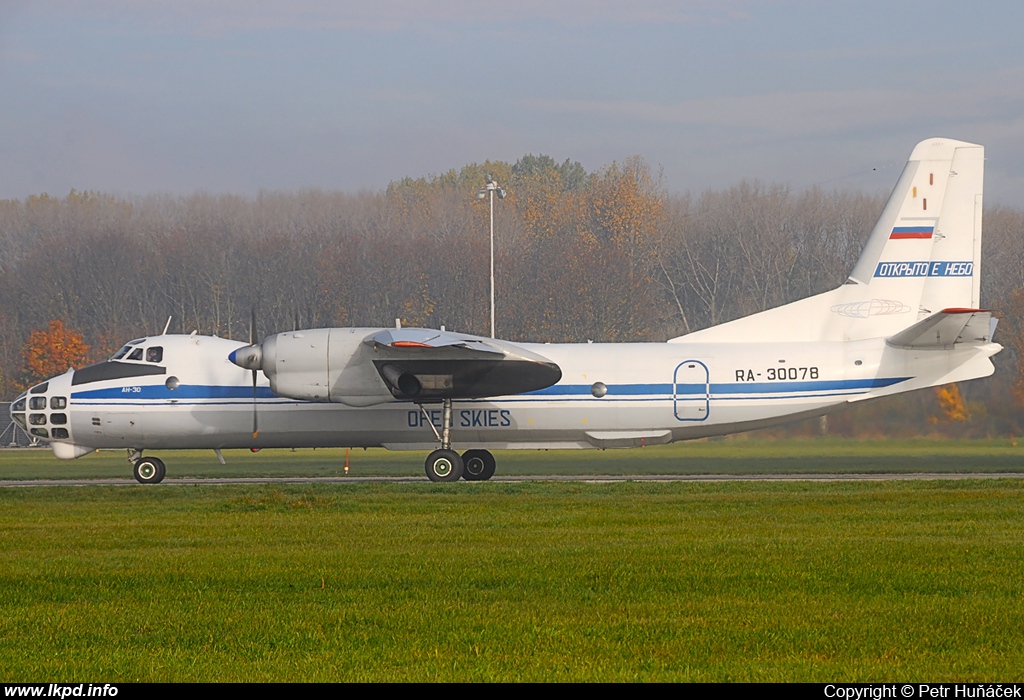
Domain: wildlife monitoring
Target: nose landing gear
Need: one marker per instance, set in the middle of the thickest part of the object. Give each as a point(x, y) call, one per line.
point(147, 470)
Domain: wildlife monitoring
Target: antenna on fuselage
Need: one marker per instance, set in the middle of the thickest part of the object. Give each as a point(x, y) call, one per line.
point(167, 325)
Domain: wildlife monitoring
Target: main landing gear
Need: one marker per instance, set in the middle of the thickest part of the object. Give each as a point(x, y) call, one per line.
point(147, 470)
point(446, 464)
point(478, 465)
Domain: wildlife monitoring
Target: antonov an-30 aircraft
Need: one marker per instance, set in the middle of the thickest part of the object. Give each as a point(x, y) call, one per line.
point(908, 317)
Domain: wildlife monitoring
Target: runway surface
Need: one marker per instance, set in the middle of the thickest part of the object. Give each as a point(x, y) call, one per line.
point(595, 479)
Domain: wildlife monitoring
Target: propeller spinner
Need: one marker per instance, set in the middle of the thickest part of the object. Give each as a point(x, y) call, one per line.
point(250, 357)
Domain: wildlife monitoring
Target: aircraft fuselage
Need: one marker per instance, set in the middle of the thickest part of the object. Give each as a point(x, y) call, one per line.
point(610, 395)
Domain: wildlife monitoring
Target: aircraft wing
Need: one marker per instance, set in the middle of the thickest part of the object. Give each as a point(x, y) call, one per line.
point(421, 363)
point(429, 338)
point(366, 366)
point(946, 328)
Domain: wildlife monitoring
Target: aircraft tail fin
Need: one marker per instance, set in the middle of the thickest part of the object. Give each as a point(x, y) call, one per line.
point(925, 251)
point(923, 255)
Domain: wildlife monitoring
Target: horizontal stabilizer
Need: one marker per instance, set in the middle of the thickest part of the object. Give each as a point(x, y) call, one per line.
point(945, 328)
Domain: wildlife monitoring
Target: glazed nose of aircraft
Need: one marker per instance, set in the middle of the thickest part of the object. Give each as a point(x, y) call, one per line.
point(43, 409)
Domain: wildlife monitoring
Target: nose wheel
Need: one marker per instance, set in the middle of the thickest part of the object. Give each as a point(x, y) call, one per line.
point(149, 470)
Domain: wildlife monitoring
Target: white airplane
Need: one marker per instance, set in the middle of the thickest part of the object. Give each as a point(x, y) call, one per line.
point(907, 318)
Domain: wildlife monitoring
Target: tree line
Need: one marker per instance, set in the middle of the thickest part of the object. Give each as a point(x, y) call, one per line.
point(608, 255)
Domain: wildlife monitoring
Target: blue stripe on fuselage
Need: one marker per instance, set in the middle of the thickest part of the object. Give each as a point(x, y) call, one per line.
point(722, 388)
point(156, 392)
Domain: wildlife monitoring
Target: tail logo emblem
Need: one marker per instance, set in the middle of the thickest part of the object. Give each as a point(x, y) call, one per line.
point(874, 307)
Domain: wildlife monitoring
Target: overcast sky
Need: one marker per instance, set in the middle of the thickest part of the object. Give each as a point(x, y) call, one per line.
point(238, 96)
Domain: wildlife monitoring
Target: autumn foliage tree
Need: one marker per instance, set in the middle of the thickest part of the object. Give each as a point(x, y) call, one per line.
point(52, 351)
point(951, 403)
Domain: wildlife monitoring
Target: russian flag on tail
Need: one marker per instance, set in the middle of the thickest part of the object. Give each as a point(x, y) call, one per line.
point(904, 232)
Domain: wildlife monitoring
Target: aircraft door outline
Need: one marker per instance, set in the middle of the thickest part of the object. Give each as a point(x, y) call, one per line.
point(691, 391)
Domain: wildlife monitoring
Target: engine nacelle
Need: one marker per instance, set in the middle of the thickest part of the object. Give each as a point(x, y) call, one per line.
point(325, 365)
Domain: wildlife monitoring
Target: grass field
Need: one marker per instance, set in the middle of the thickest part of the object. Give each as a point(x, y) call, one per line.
point(732, 456)
point(521, 581)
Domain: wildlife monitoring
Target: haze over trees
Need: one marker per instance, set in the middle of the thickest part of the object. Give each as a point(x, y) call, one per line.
point(607, 255)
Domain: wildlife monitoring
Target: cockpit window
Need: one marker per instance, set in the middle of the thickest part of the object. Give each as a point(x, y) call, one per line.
point(39, 388)
point(19, 404)
point(37, 403)
point(136, 354)
point(58, 403)
point(155, 354)
point(126, 348)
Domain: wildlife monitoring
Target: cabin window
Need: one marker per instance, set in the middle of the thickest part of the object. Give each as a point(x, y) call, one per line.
point(37, 418)
point(60, 433)
point(59, 418)
point(155, 354)
point(37, 403)
point(58, 403)
point(40, 432)
point(136, 354)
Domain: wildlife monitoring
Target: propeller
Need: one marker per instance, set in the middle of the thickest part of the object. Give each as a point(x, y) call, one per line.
point(252, 344)
point(250, 358)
